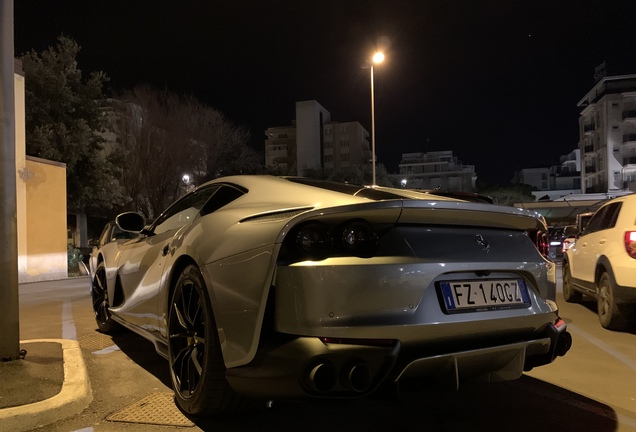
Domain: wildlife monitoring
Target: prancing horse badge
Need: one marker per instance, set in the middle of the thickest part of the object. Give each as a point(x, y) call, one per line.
point(481, 241)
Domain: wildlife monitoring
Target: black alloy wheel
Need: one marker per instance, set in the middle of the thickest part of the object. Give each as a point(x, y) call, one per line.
point(99, 294)
point(197, 369)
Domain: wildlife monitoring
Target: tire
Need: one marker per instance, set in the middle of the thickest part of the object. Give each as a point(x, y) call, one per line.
point(570, 295)
point(197, 369)
point(101, 301)
point(609, 313)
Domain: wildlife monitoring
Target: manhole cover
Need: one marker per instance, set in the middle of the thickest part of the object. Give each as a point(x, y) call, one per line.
point(156, 409)
point(95, 341)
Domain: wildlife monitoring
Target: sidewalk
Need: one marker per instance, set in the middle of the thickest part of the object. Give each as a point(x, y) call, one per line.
point(49, 384)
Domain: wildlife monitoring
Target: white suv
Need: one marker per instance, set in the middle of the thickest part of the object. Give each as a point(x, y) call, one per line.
point(602, 263)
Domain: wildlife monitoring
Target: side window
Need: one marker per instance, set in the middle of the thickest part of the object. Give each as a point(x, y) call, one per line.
point(595, 222)
point(183, 211)
point(603, 219)
point(612, 216)
point(105, 237)
point(224, 196)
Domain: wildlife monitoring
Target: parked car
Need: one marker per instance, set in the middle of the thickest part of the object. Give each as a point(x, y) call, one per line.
point(602, 263)
point(261, 287)
point(555, 237)
point(110, 234)
point(570, 232)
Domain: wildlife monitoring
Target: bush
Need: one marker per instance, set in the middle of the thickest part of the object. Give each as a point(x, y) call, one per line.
point(74, 260)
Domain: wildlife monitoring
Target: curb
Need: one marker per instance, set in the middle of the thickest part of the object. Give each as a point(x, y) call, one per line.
point(72, 399)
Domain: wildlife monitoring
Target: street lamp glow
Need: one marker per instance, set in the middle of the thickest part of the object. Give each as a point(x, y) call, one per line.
point(378, 57)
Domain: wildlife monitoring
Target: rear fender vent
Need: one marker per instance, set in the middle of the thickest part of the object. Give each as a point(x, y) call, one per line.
point(275, 216)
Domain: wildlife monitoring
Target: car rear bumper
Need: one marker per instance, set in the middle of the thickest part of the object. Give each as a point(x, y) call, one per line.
point(625, 276)
point(290, 366)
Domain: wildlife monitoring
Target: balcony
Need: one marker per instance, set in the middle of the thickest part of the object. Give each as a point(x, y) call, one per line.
point(629, 116)
point(629, 138)
point(629, 160)
point(588, 129)
point(589, 148)
point(590, 169)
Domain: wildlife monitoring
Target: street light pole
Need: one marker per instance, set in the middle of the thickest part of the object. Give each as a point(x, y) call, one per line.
point(9, 299)
point(372, 128)
point(378, 57)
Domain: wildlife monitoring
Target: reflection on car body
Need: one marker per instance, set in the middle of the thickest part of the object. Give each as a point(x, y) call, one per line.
point(110, 233)
point(261, 287)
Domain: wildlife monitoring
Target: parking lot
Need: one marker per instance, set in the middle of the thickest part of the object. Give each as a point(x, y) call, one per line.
point(591, 388)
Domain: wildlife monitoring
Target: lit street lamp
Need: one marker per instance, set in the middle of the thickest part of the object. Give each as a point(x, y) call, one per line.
point(378, 57)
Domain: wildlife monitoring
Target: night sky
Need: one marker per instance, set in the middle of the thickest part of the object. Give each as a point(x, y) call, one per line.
point(495, 81)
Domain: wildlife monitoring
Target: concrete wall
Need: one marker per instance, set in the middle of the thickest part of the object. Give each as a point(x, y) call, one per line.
point(46, 244)
point(41, 207)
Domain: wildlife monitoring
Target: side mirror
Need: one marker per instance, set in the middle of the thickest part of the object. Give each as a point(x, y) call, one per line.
point(131, 221)
point(571, 231)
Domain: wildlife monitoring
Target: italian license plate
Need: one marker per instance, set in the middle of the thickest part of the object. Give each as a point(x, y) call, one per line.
point(484, 295)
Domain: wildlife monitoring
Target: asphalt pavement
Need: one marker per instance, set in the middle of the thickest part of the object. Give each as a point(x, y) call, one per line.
point(129, 387)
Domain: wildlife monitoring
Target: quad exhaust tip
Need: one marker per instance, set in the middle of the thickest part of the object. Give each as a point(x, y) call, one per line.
point(323, 377)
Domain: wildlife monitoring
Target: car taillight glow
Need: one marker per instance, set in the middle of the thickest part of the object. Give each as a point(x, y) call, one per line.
point(630, 243)
point(541, 242)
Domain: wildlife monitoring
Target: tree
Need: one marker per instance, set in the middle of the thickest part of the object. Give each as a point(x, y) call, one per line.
point(164, 136)
point(508, 195)
point(63, 122)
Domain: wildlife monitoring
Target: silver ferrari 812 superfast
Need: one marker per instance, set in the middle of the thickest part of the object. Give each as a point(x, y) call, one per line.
point(261, 288)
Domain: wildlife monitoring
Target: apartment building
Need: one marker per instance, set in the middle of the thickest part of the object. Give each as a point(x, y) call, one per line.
point(555, 181)
point(315, 141)
point(607, 131)
point(438, 169)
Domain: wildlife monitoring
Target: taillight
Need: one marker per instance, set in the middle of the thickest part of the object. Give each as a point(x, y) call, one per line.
point(630, 243)
point(360, 239)
point(314, 241)
point(566, 245)
point(540, 240)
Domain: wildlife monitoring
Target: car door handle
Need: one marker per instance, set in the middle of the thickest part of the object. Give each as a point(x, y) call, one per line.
point(165, 250)
point(602, 241)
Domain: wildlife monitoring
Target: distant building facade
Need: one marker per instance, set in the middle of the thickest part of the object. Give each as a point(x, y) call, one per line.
point(315, 141)
point(607, 135)
point(555, 181)
point(438, 169)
